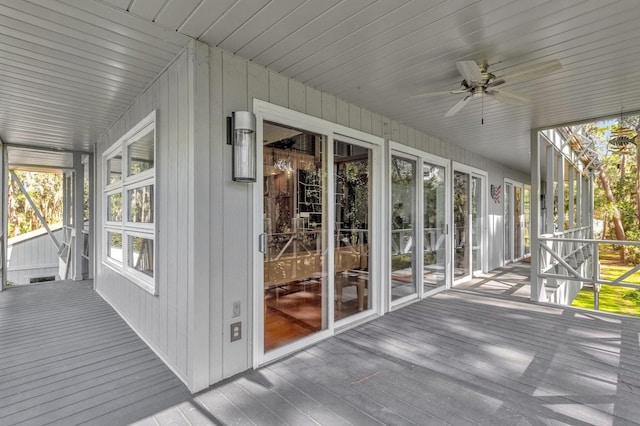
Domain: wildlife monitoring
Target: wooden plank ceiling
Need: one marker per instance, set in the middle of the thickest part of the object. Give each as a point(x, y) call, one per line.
point(71, 66)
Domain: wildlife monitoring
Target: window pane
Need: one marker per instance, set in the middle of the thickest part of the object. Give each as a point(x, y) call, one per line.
point(114, 207)
point(141, 204)
point(141, 255)
point(114, 169)
point(140, 153)
point(114, 246)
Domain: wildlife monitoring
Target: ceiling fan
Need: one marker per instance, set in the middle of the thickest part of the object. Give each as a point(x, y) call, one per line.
point(478, 81)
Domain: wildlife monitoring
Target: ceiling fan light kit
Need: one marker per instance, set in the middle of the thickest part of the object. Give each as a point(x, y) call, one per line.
point(477, 82)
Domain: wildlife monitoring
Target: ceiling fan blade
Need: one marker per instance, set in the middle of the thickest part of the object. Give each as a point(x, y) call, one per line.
point(470, 71)
point(509, 97)
point(534, 71)
point(458, 106)
point(446, 92)
point(495, 83)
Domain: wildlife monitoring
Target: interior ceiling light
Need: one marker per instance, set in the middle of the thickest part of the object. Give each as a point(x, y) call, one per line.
point(621, 137)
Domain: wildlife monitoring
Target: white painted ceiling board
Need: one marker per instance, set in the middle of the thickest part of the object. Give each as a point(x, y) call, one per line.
point(367, 48)
point(147, 9)
point(206, 14)
point(100, 32)
point(372, 33)
point(313, 27)
point(69, 69)
point(119, 22)
point(335, 33)
point(233, 20)
point(268, 16)
point(122, 4)
point(23, 156)
point(71, 66)
point(175, 13)
point(284, 28)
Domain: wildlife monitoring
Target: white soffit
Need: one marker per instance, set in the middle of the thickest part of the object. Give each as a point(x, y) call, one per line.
point(68, 69)
point(85, 60)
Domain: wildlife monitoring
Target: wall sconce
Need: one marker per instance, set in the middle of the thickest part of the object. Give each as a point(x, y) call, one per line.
point(241, 135)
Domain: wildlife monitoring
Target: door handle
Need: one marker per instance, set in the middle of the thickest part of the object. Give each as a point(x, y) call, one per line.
point(261, 243)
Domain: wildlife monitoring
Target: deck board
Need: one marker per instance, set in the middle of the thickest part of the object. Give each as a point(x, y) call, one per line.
point(66, 357)
point(478, 354)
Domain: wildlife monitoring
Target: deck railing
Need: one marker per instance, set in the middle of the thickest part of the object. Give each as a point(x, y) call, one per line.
point(572, 259)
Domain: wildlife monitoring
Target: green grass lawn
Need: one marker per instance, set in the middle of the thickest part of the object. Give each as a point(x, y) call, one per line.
point(619, 300)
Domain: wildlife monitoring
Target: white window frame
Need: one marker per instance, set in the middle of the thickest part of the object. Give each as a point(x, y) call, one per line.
point(124, 227)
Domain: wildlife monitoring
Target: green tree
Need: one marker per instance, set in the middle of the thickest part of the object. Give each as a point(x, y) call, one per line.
point(45, 189)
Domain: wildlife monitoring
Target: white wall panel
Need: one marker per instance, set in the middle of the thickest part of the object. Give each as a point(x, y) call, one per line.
point(162, 320)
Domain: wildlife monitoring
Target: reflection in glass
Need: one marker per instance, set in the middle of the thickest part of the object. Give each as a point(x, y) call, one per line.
point(517, 222)
point(352, 168)
point(141, 255)
point(527, 220)
point(434, 226)
point(461, 222)
point(114, 169)
point(114, 246)
point(141, 204)
point(294, 187)
point(403, 184)
point(476, 223)
point(507, 222)
point(141, 152)
point(114, 207)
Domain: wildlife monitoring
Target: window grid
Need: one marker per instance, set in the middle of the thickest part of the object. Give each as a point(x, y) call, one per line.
point(129, 245)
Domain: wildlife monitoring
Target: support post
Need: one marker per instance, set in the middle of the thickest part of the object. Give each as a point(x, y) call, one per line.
point(78, 215)
point(572, 209)
point(4, 213)
point(551, 153)
point(579, 190)
point(560, 163)
point(537, 288)
point(91, 177)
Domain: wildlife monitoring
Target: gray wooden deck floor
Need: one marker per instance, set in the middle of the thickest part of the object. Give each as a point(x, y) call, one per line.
point(479, 354)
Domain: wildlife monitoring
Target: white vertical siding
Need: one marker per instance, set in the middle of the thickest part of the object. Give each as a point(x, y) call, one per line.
point(162, 320)
point(32, 257)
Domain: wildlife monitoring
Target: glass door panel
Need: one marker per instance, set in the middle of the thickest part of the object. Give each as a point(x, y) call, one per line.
point(476, 223)
point(517, 222)
point(294, 190)
point(507, 222)
point(434, 188)
point(403, 201)
point(352, 182)
point(527, 220)
point(461, 224)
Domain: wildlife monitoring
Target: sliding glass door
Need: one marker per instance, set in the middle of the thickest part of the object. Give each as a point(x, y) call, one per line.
point(468, 222)
point(317, 230)
point(420, 241)
point(515, 220)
